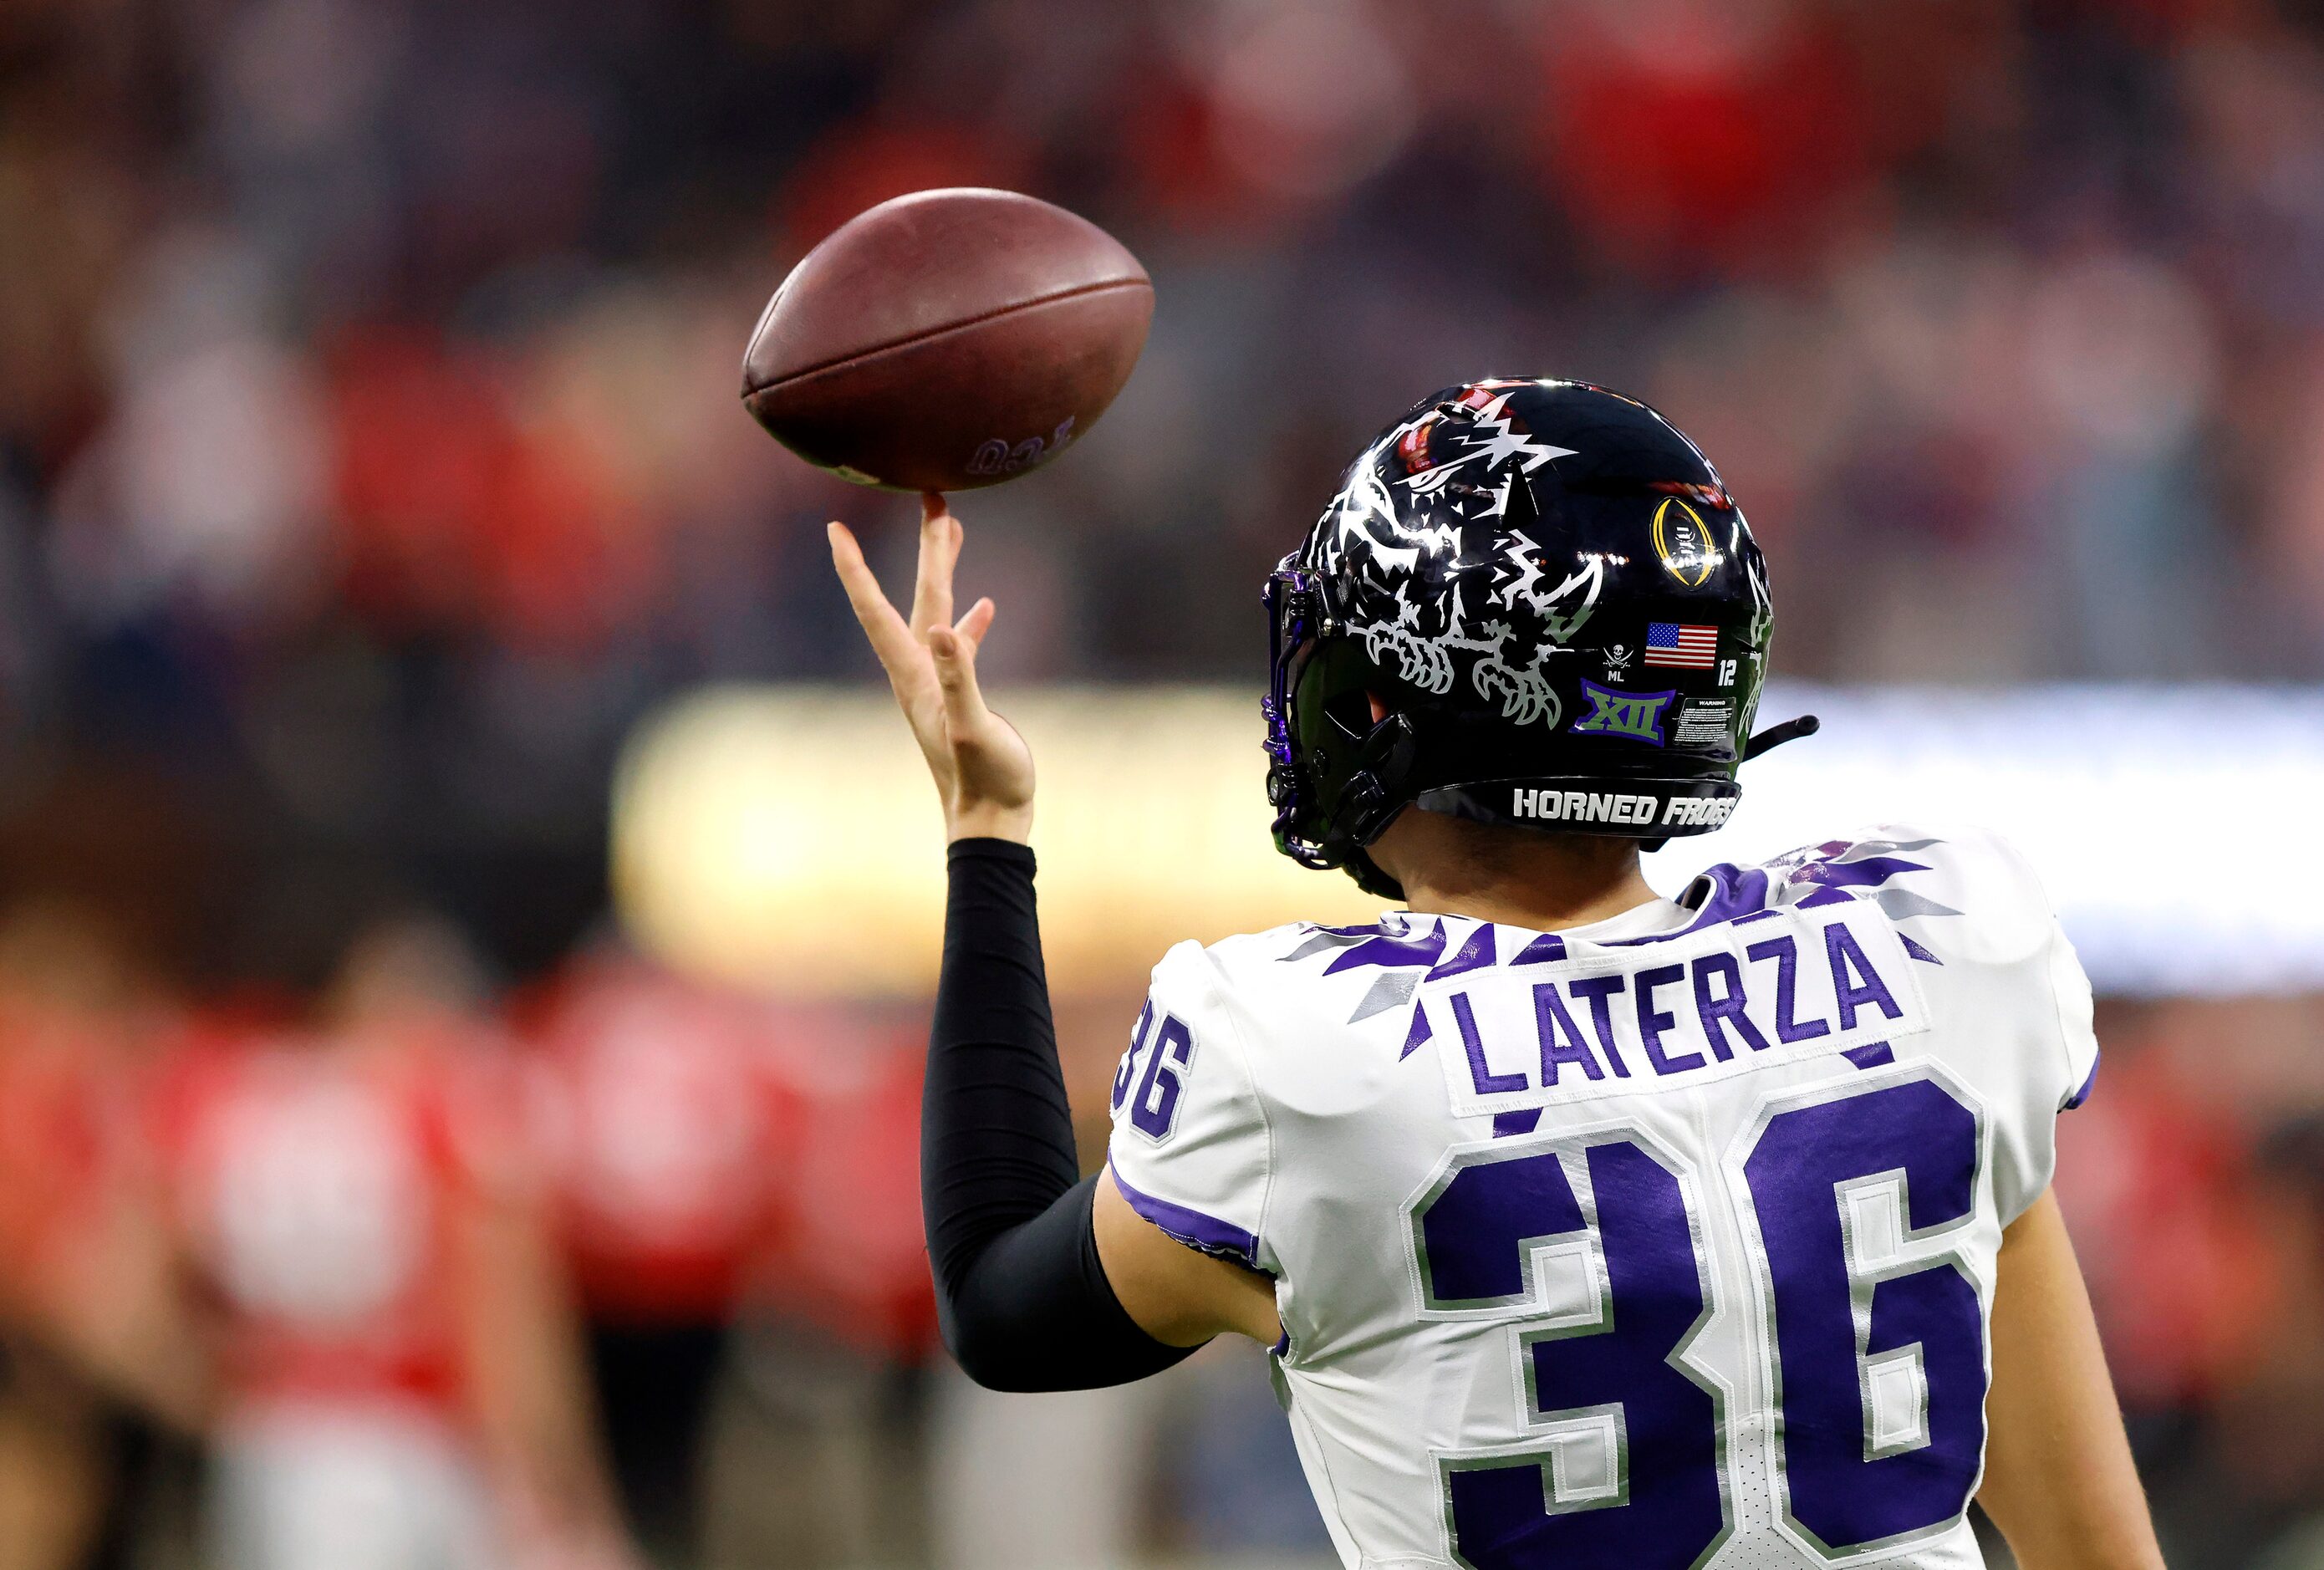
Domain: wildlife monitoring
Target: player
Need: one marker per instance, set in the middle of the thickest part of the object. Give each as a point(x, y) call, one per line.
point(401, 1383)
point(1588, 1227)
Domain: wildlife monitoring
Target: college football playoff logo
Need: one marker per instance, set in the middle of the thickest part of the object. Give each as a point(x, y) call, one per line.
point(1682, 540)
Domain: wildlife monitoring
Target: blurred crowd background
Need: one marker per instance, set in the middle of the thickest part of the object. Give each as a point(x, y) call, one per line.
point(370, 465)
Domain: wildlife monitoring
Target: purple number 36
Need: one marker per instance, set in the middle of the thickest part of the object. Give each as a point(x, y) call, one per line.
point(1878, 1368)
point(1169, 1054)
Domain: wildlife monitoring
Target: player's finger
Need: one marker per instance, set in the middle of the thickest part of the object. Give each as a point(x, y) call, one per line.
point(891, 640)
point(940, 537)
point(887, 631)
point(955, 663)
point(970, 628)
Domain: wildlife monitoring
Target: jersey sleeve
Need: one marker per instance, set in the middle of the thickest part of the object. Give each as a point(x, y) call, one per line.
point(2069, 989)
point(2061, 1049)
point(2020, 1023)
point(1191, 1149)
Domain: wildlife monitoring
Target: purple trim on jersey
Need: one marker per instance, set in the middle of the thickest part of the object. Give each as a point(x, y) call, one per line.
point(1393, 952)
point(1191, 1227)
point(1735, 893)
point(1871, 1055)
point(1738, 894)
point(1320, 939)
point(2088, 1084)
point(1543, 950)
point(1282, 1347)
point(1313, 944)
point(1418, 1036)
point(1476, 953)
point(1523, 1121)
point(1918, 952)
point(1869, 873)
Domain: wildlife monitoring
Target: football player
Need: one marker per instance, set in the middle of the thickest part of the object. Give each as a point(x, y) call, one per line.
point(1587, 1227)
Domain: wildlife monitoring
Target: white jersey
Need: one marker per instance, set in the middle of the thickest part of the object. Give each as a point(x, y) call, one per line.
point(1667, 1241)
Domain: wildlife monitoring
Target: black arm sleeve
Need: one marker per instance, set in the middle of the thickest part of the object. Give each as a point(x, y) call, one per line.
point(1022, 1299)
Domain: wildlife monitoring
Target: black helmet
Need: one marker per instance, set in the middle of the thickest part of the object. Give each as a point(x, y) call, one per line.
point(1558, 605)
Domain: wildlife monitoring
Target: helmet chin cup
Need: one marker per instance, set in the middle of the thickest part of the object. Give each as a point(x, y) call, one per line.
point(1374, 792)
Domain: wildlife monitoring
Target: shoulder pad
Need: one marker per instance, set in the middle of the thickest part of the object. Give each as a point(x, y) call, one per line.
point(1968, 894)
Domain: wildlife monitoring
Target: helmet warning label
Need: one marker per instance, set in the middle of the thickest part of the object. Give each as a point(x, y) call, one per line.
point(1703, 722)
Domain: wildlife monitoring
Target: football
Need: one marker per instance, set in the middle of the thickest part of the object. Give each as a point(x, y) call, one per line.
point(948, 339)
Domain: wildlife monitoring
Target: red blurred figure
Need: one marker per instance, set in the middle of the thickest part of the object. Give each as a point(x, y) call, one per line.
point(453, 513)
point(715, 1150)
point(2159, 1191)
point(402, 1378)
point(90, 1319)
point(847, 1254)
point(1669, 158)
point(723, 1159)
point(665, 1140)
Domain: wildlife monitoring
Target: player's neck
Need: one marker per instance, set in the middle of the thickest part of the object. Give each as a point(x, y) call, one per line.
point(1546, 883)
point(1515, 903)
point(1509, 876)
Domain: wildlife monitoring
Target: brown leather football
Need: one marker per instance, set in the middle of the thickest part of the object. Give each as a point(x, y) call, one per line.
point(948, 339)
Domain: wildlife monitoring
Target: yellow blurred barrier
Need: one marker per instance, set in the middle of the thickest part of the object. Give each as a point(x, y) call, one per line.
point(788, 839)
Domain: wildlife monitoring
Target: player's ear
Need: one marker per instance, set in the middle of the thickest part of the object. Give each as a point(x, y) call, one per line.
point(1380, 709)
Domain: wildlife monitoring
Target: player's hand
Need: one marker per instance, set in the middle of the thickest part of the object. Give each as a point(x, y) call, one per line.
point(983, 769)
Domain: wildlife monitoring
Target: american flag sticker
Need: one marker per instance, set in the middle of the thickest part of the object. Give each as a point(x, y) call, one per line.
point(1681, 644)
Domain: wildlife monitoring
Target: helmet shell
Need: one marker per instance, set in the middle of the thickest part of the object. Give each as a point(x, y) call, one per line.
point(1550, 591)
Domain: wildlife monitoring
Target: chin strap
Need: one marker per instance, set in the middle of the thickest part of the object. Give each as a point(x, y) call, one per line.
point(1370, 798)
point(1775, 736)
